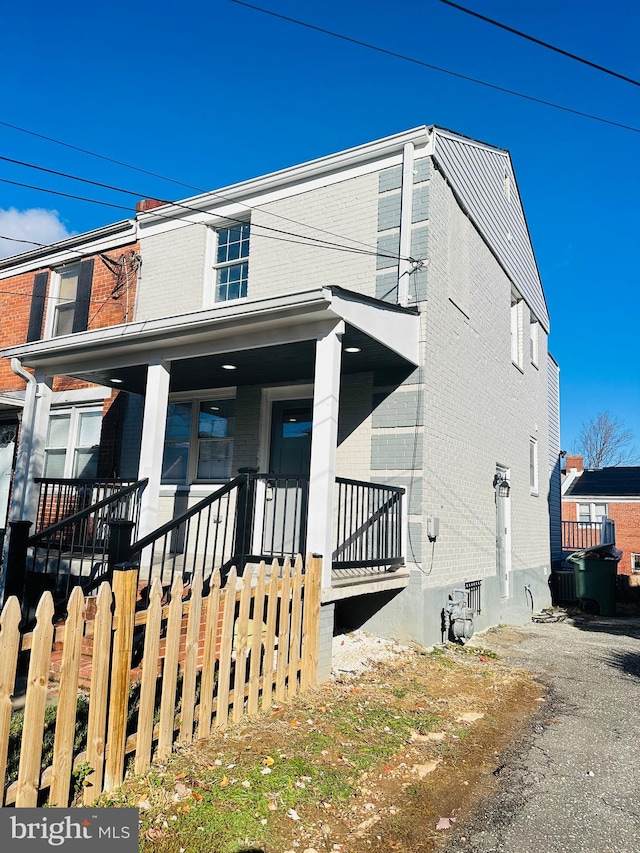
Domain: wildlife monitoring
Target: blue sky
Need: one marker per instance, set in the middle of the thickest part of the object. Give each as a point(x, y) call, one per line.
point(212, 93)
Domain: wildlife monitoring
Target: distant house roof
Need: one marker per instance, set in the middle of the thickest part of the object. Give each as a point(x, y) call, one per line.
point(605, 482)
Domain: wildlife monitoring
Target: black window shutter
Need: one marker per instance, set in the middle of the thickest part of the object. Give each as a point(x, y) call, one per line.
point(34, 330)
point(83, 296)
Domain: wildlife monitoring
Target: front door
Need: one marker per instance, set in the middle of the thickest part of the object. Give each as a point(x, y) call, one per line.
point(503, 533)
point(287, 490)
point(8, 433)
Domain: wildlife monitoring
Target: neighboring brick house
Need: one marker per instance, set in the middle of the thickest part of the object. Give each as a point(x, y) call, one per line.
point(592, 494)
point(374, 316)
point(83, 282)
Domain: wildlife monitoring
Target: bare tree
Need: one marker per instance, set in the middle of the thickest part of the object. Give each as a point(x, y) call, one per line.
point(605, 442)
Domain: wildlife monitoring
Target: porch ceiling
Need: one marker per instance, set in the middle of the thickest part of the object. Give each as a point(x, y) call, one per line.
point(268, 340)
point(269, 365)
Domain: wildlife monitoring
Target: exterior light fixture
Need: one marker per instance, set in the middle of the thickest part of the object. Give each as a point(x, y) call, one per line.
point(352, 349)
point(501, 485)
point(229, 367)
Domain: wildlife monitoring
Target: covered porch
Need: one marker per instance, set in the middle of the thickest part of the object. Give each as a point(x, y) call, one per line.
point(284, 362)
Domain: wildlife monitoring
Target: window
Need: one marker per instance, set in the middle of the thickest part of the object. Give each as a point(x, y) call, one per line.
point(232, 266)
point(592, 513)
point(516, 331)
point(73, 444)
point(635, 562)
point(533, 340)
point(71, 299)
point(533, 465)
point(198, 443)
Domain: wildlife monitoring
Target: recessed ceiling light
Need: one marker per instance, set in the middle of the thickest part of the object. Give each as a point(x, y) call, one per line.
point(117, 381)
point(229, 367)
point(352, 349)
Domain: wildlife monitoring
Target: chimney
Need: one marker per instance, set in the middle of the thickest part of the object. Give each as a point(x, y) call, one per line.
point(575, 462)
point(148, 204)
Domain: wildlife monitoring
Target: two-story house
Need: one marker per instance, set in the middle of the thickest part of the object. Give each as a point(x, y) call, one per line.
point(367, 331)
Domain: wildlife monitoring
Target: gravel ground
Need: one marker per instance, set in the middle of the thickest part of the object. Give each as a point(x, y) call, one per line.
point(571, 786)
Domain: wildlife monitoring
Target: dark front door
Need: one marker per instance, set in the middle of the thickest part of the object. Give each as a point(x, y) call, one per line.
point(287, 490)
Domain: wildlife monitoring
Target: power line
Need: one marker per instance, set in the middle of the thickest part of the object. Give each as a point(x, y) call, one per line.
point(100, 156)
point(540, 42)
point(64, 195)
point(423, 64)
point(181, 183)
point(301, 237)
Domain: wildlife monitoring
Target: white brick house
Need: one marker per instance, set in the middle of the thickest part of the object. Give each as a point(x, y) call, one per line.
point(380, 312)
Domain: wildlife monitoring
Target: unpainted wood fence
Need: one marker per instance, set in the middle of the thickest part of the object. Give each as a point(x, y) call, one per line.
point(207, 658)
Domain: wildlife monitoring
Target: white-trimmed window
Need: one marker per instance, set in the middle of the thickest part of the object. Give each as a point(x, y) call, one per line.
point(533, 340)
point(591, 513)
point(516, 330)
point(73, 443)
point(635, 563)
point(198, 445)
point(232, 262)
point(533, 465)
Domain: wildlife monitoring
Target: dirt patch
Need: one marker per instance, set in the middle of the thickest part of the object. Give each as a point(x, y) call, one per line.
point(372, 761)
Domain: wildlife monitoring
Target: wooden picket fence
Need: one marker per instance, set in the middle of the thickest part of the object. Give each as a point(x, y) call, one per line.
point(207, 659)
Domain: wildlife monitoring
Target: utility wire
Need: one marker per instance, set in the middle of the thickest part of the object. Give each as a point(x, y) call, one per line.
point(181, 205)
point(100, 156)
point(65, 195)
point(181, 183)
point(420, 62)
point(540, 42)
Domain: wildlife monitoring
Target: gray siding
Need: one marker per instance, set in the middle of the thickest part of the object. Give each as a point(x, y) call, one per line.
point(555, 484)
point(478, 174)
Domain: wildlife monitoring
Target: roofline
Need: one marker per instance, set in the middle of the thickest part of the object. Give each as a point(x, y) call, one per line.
point(66, 249)
point(368, 151)
point(609, 498)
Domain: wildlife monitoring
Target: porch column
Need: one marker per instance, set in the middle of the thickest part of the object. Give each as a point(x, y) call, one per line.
point(324, 441)
point(154, 421)
point(33, 439)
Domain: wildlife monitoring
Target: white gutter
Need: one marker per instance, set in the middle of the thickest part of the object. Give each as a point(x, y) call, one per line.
point(26, 440)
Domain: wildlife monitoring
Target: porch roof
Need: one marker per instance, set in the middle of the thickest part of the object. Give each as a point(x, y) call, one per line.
point(267, 340)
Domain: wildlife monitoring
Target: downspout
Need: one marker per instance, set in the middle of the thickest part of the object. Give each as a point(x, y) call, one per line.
point(406, 210)
point(26, 439)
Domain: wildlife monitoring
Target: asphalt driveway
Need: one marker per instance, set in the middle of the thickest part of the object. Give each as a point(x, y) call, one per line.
point(573, 783)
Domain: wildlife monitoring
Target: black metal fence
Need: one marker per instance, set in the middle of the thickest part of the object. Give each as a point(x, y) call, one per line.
point(577, 535)
point(61, 498)
point(368, 526)
point(72, 551)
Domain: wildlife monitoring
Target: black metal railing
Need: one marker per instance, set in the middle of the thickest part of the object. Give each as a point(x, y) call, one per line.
point(474, 594)
point(368, 526)
point(61, 498)
point(73, 551)
point(253, 517)
point(577, 535)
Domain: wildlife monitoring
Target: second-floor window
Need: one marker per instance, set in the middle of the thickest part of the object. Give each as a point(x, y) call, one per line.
point(592, 513)
point(232, 262)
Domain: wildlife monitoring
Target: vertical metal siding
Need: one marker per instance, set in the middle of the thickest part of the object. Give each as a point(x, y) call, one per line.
point(555, 500)
point(477, 173)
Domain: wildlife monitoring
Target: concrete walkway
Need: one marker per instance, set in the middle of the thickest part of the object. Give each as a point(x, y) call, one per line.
point(573, 784)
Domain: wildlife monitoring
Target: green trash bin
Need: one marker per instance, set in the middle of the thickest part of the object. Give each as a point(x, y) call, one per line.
point(595, 571)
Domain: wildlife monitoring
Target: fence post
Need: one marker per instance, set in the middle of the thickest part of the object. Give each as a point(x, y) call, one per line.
point(15, 570)
point(119, 549)
point(244, 517)
point(125, 589)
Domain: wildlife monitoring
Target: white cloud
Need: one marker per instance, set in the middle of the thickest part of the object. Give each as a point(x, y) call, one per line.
point(37, 224)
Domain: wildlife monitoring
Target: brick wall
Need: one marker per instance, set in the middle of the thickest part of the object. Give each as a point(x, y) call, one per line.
point(15, 299)
point(627, 518)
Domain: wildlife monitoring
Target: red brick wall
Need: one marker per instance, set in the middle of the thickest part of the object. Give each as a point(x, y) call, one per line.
point(627, 519)
point(15, 307)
